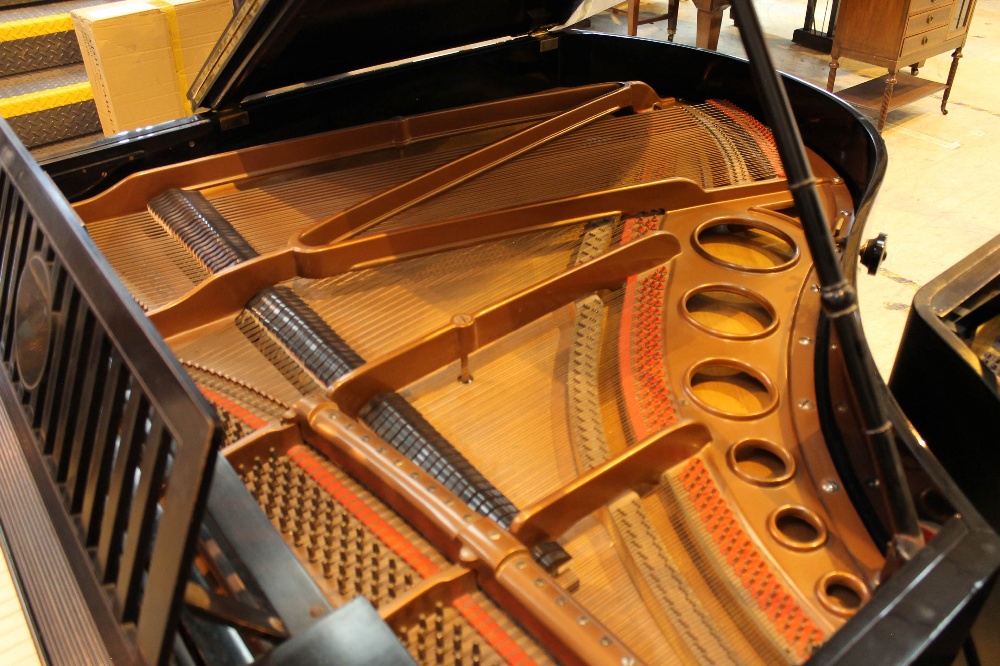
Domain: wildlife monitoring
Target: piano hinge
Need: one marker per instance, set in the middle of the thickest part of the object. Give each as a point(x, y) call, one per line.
point(547, 40)
point(228, 119)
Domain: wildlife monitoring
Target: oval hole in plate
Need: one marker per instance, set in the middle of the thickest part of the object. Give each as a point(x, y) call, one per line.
point(797, 527)
point(761, 462)
point(730, 311)
point(730, 388)
point(746, 244)
point(842, 593)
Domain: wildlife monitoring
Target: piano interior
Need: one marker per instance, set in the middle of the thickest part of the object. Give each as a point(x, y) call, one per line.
point(535, 377)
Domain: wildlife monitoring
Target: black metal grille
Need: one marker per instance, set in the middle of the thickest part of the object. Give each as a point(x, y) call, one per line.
point(129, 439)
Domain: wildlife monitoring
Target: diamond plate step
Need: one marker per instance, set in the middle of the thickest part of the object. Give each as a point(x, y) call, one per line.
point(38, 36)
point(49, 105)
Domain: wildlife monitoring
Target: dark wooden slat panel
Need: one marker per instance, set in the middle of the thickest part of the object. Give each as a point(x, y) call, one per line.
point(121, 483)
point(35, 398)
point(7, 196)
point(12, 261)
point(186, 495)
point(79, 414)
point(106, 344)
point(112, 403)
point(64, 362)
point(138, 539)
point(25, 242)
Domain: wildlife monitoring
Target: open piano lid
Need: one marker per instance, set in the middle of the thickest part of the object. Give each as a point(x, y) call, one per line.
point(272, 44)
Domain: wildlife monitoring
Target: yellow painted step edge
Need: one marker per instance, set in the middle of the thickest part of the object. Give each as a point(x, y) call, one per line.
point(45, 99)
point(35, 27)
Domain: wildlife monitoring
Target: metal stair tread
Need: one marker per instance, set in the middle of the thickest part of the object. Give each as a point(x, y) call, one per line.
point(49, 9)
point(45, 79)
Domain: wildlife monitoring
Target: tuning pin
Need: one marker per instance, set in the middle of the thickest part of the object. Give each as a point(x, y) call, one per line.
point(318, 523)
point(475, 654)
point(345, 523)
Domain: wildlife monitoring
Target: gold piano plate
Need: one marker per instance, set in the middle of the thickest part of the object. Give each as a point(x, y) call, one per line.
point(535, 367)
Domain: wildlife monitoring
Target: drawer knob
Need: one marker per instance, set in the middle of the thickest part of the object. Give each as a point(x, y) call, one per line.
point(930, 19)
point(923, 42)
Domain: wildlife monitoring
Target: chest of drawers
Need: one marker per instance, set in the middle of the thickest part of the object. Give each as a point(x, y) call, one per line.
point(895, 34)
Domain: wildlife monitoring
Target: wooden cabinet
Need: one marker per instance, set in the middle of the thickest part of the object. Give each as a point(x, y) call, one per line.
point(895, 34)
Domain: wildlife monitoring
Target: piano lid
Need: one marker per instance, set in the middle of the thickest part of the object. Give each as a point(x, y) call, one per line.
point(272, 44)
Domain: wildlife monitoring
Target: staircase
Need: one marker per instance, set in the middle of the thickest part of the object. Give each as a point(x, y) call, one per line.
point(44, 92)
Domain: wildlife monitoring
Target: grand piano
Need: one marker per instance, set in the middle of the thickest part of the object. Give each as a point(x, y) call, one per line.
point(464, 337)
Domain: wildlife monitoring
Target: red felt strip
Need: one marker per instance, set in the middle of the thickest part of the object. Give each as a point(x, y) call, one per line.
point(240, 412)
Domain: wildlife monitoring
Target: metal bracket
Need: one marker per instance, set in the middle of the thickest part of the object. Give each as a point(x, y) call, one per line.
point(228, 119)
point(233, 612)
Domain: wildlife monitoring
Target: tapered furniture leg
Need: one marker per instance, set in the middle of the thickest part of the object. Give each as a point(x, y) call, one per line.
point(633, 17)
point(710, 14)
point(672, 8)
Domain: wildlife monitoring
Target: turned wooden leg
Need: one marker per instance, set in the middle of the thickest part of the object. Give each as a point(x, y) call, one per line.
point(890, 82)
point(951, 79)
point(834, 65)
point(633, 17)
point(672, 9)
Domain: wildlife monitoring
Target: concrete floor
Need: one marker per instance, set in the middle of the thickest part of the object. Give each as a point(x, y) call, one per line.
point(941, 197)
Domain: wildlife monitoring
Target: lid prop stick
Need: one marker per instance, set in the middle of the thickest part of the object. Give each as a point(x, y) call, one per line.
point(838, 296)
